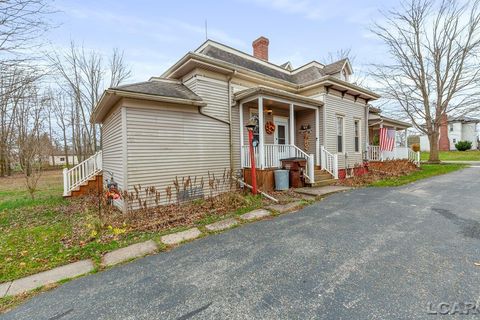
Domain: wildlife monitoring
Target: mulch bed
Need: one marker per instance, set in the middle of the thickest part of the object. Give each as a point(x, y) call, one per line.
point(380, 170)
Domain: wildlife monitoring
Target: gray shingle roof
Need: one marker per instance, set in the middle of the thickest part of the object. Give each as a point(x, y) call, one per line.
point(160, 88)
point(307, 75)
point(462, 119)
point(335, 67)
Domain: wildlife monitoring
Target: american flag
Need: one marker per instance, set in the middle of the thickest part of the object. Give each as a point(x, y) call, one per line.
point(387, 139)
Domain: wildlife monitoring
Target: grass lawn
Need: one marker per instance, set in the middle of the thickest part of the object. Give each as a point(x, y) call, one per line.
point(426, 170)
point(471, 155)
point(49, 231)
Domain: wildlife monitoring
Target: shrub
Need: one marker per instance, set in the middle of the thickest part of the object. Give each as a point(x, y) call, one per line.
point(463, 145)
point(416, 147)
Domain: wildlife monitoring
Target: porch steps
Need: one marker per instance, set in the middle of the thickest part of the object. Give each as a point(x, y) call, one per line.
point(92, 185)
point(322, 178)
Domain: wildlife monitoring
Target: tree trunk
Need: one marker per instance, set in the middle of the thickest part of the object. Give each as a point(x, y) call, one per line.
point(433, 140)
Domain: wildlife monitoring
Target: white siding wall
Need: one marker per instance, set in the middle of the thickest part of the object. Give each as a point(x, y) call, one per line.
point(164, 143)
point(469, 133)
point(112, 146)
point(338, 106)
point(424, 143)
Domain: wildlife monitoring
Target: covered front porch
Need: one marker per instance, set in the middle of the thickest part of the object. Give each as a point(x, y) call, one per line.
point(400, 147)
point(287, 126)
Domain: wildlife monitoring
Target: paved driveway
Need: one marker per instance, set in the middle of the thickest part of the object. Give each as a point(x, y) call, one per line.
point(364, 254)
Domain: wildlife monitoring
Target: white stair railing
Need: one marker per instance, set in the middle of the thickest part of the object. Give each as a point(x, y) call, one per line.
point(329, 162)
point(414, 157)
point(82, 172)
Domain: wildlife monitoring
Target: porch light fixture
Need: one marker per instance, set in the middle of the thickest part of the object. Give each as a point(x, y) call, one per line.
point(251, 124)
point(269, 112)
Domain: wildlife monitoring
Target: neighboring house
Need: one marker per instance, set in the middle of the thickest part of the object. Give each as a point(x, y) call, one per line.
point(452, 130)
point(60, 160)
point(190, 122)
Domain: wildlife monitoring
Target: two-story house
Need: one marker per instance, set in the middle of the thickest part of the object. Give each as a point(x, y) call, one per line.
point(190, 121)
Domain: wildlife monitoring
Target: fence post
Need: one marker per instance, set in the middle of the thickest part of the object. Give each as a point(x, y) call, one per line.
point(418, 159)
point(65, 182)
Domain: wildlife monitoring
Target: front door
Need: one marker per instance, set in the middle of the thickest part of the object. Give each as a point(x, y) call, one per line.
point(281, 137)
point(281, 132)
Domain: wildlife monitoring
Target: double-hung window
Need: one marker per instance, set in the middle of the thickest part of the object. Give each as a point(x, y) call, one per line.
point(356, 130)
point(339, 134)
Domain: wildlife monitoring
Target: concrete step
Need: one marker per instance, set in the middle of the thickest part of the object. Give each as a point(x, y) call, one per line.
point(323, 183)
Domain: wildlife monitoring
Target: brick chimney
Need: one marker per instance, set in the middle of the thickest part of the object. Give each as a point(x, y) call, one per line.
point(260, 48)
point(444, 142)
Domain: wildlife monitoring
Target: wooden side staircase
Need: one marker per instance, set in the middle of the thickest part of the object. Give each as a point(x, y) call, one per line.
point(322, 178)
point(86, 177)
point(93, 185)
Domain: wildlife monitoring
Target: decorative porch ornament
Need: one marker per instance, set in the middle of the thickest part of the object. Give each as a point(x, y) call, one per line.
point(306, 131)
point(269, 127)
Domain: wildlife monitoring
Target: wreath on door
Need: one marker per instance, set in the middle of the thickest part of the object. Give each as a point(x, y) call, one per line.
point(269, 127)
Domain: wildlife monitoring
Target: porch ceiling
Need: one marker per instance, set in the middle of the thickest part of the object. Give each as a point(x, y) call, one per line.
point(276, 95)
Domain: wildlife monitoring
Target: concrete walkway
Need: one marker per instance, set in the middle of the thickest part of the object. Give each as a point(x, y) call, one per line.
point(371, 253)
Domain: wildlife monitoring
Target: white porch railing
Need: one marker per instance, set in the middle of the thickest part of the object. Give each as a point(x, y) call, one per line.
point(329, 162)
point(274, 153)
point(374, 154)
point(74, 177)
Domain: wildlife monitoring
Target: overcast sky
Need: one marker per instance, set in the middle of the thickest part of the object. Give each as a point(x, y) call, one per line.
point(155, 34)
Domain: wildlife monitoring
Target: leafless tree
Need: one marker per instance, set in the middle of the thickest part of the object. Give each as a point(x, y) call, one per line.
point(83, 75)
point(119, 72)
point(22, 23)
point(434, 52)
point(14, 82)
point(60, 109)
point(32, 143)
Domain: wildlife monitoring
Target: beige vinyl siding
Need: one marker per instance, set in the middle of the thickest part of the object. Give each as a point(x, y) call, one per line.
point(166, 142)
point(215, 93)
point(349, 110)
point(236, 136)
point(305, 117)
point(112, 147)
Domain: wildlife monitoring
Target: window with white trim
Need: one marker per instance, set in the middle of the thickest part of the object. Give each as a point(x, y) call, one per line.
point(339, 134)
point(356, 129)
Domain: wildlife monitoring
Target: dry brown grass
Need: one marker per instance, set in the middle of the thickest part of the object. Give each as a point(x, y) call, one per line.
point(381, 170)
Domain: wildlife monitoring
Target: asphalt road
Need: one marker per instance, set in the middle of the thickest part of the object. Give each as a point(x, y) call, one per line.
point(374, 253)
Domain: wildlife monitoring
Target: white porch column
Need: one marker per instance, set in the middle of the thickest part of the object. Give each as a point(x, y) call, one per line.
point(261, 129)
point(406, 137)
point(292, 127)
point(292, 124)
point(317, 136)
point(380, 149)
point(242, 160)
